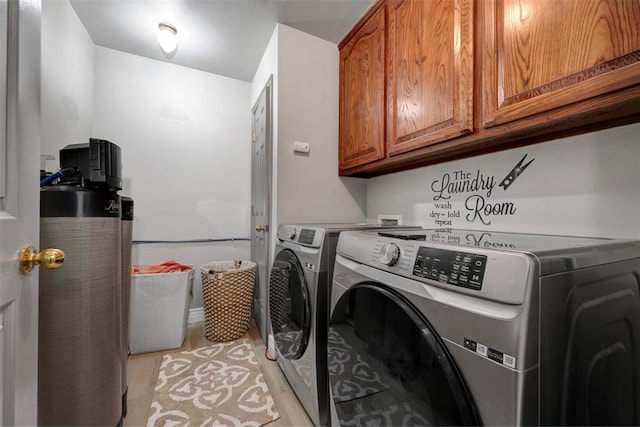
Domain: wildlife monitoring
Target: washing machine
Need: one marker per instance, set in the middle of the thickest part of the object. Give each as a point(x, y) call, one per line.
point(299, 287)
point(457, 327)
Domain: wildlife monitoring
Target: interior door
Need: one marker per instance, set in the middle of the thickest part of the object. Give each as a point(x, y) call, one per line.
point(260, 203)
point(19, 207)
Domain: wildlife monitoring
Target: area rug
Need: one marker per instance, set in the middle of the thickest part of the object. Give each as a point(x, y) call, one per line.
point(217, 385)
point(351, 376)
point(399, 415)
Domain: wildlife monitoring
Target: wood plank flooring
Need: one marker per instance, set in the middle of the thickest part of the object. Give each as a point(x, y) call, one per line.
point(142, 373)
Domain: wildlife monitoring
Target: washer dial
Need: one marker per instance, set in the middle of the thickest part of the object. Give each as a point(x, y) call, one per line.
point(390, 254)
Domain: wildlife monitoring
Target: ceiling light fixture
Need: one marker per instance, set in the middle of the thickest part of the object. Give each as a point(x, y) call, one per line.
point(167, 37)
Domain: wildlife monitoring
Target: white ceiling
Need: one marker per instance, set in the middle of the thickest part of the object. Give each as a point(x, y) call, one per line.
point(225, 37)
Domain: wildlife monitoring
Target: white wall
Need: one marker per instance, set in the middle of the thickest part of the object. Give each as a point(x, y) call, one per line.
point(186, 156)
point(67, 80)
point(306, 188)
point(309, 188)
point(268, 66)
point(583, 185)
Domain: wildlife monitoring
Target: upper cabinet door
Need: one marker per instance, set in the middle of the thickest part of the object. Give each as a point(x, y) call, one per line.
point(430, 72)
point(362, 94)
point(543, 54)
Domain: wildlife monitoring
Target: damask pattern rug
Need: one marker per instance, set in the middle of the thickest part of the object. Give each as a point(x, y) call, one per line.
point(400, 415)
point(216, 385)
point(351, 376)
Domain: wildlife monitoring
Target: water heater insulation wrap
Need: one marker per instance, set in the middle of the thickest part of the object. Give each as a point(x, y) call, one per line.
point(80, 356)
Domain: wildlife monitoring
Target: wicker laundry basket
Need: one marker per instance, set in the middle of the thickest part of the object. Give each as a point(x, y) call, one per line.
point(227, 293)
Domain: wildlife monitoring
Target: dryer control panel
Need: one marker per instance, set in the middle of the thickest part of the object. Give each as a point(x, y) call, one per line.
point(303, 235)
point(451, 267)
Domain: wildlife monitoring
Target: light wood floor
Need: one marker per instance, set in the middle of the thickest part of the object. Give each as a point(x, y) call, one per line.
point(142, 373)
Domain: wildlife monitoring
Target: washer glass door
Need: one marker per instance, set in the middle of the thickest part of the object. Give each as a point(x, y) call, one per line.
point(289, 305)
point(388, 367)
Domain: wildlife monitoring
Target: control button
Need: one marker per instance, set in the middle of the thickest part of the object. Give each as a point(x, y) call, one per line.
point(465, 268)
point(470, 344)
point(390, 254)
point(293, 234)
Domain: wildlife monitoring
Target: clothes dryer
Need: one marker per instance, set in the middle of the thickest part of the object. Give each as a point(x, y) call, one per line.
point(299, 286)
point(455, 327)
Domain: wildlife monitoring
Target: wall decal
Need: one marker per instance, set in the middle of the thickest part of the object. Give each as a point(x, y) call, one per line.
point(515, 172)
point(478, 186)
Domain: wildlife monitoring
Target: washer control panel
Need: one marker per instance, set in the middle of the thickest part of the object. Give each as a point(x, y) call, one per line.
point(503, 276)
point(306, 236)
point(451, 267)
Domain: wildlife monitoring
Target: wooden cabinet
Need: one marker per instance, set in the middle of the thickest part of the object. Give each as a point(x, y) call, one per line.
point(362, 100)
point(544, 54)
point(429, 72)
point(465, 77)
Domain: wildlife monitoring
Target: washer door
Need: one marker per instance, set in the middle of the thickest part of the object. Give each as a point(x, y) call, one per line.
point(289, 305)
point(388, 367)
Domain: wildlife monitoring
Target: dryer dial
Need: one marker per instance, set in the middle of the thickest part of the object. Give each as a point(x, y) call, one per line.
point(390, 254)
point(293, 234)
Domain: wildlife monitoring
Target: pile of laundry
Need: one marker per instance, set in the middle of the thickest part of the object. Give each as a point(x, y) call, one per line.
point(165, 267)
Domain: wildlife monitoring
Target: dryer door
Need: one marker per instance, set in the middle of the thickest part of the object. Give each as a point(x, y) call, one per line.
point(388, 367)
point(289, 305)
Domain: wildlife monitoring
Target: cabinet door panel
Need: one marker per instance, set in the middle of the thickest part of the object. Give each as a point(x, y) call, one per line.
point(543, 54)
point(430, 72)
point(362, 94)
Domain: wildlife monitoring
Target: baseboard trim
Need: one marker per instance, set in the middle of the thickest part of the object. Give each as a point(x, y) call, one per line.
point(196, 315)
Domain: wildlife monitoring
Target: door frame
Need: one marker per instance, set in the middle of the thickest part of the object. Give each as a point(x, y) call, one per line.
point(19, 208)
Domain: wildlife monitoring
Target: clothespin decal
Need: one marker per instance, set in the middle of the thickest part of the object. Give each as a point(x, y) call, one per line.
point(515, 173)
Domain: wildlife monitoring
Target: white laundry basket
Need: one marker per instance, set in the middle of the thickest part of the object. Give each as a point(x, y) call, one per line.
point(159, 310)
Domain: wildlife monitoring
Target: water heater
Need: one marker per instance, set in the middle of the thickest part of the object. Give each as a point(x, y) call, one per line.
point(80, 357)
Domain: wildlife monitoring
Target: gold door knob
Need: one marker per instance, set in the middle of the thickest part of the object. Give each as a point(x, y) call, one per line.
point(47, 259)
point(261, 228)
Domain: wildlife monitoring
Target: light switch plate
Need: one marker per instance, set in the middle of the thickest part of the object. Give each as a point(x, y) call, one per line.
point(300, 147)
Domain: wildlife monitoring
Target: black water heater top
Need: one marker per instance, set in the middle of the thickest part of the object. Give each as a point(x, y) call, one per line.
point(99, 163)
